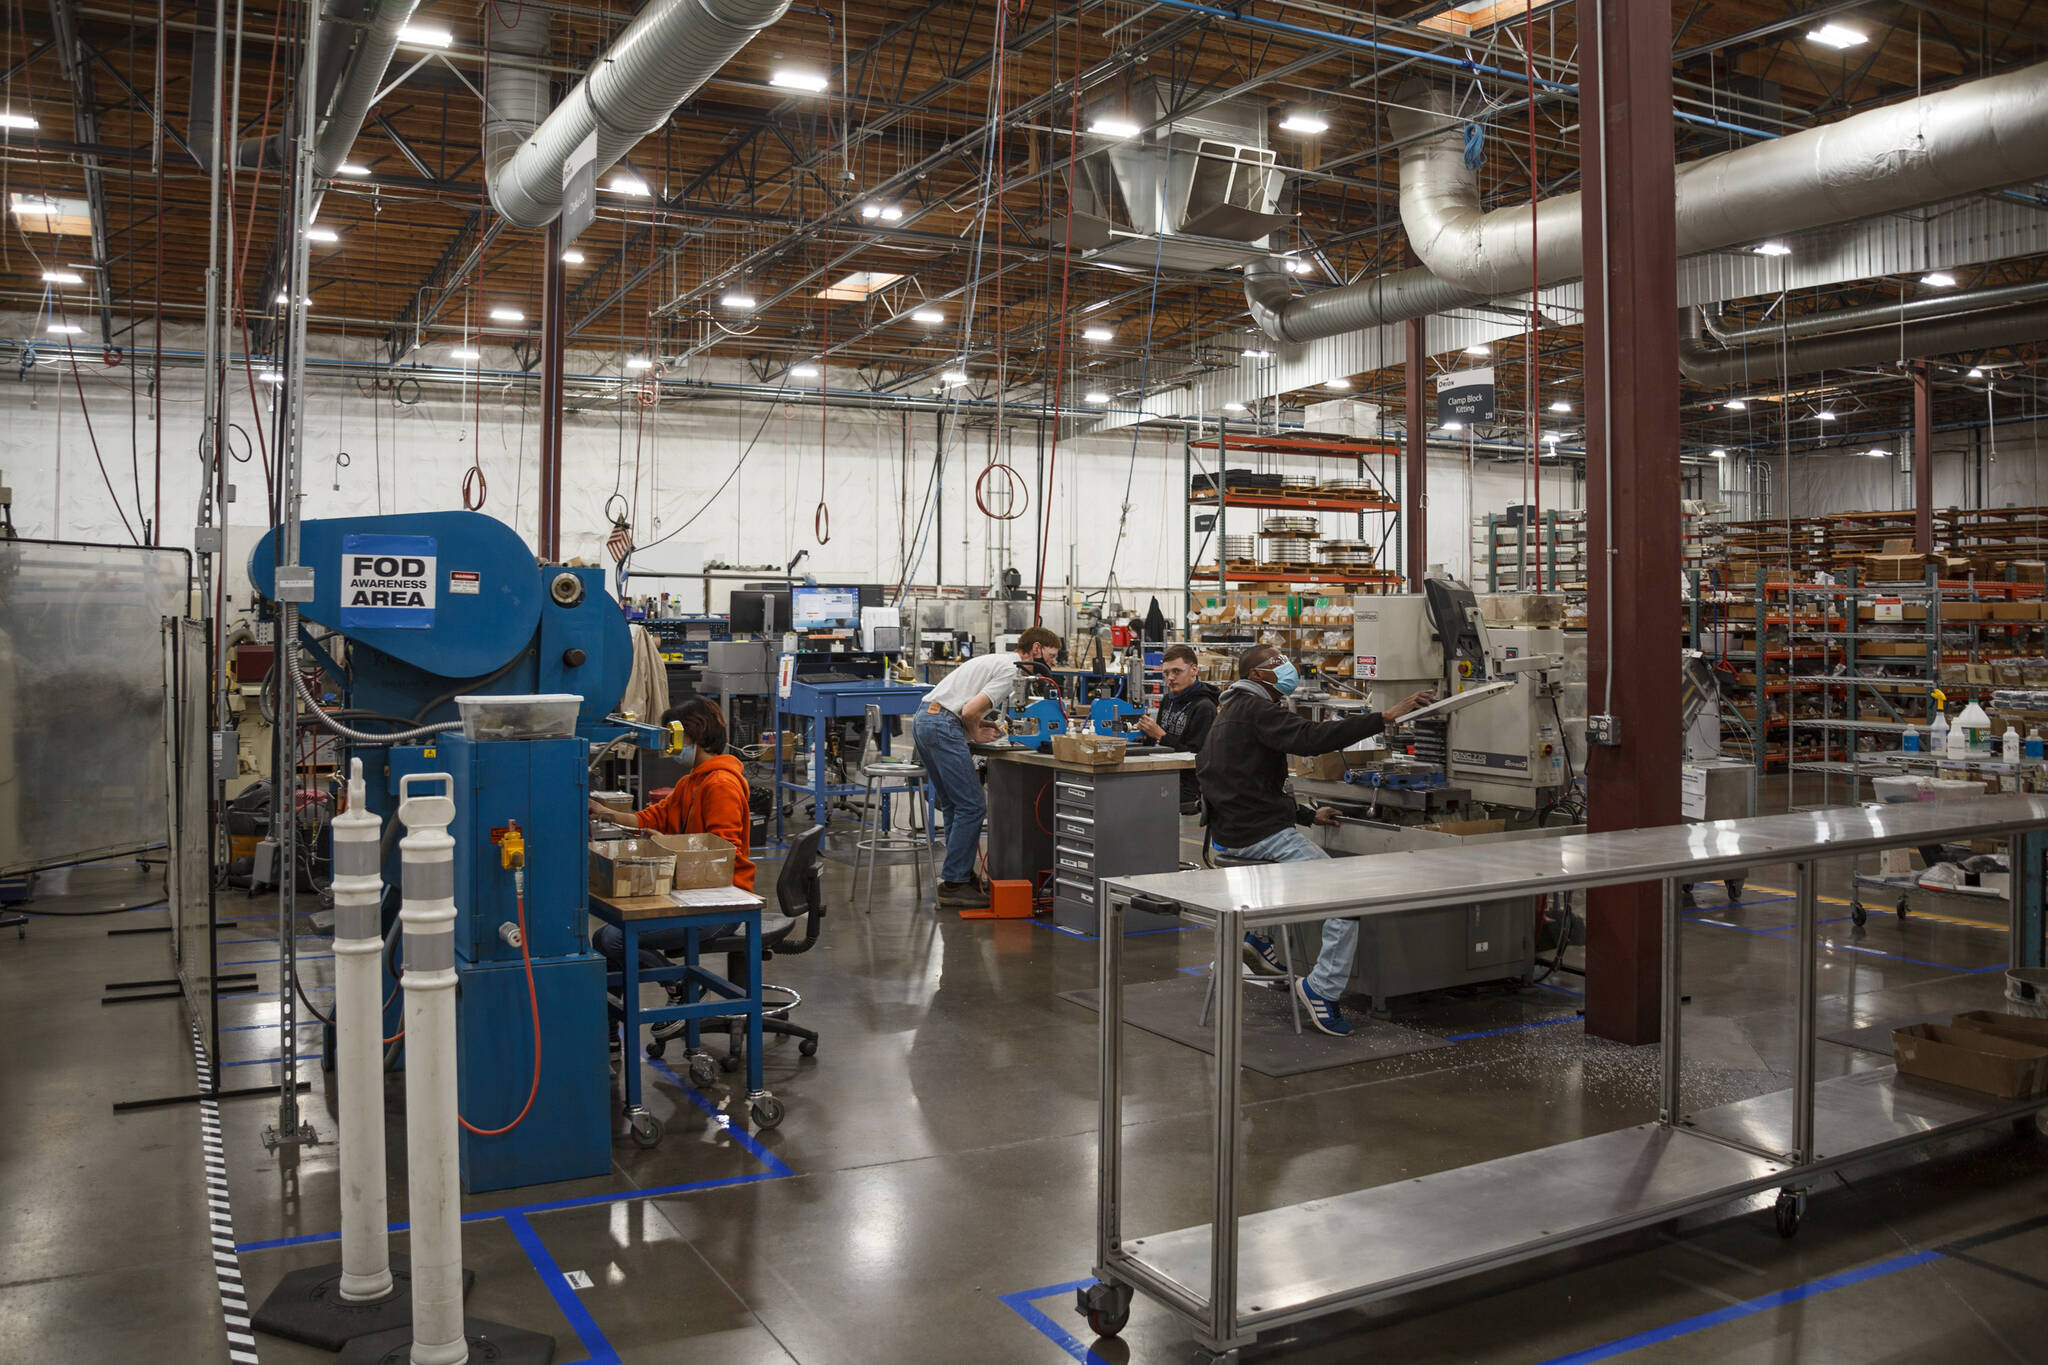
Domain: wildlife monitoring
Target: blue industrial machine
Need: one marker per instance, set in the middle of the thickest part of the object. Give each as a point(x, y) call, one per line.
point(1035, 724)
point(440, 604)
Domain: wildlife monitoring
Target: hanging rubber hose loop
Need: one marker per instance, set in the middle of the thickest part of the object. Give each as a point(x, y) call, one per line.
point(821, 524)
point(1019, 492)
point(111, 356)
point(475, 488)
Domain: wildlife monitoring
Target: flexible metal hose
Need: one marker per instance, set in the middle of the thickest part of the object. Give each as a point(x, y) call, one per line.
point(288, 629)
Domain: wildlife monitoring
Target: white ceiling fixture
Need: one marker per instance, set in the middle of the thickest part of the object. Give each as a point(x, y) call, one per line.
point(572, 257)
point(1256, 354)
point(322, 234)
point(1095, 396)
point(860, 285)
point(270, 376)
point(1336, 383)
point(887, 213)
point(1114, 127)
point(1940, 279)
point(425, 35)
point(63, 329)
point(1773, 249)
point(1294, 265)
point(507, 315)
point(953, 376)
point(62, 277)
point(465, 353)
point(1479, 348)
point(1735, 405)
point(624, 183)
point(1837, 36)
point(1976, 372)
point(1305, 121)
point(798, 78)
point(739, 300)
point(1560, 406)
point(1097, 334)
point(351, 168)
point(1876, 453)
point(638, 363)
point(1233, 407)
point(1824, 415)
point(804, 372)
point(1718, 453)
point(10, 119)
point(1454, 426)
point(930, 317)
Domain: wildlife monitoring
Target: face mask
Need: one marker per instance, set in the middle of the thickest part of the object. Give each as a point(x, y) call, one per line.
point(687, 756)
point(1284, 677)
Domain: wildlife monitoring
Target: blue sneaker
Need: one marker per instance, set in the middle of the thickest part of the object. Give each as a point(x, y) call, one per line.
point(1322, 1013)
point(1262, 957)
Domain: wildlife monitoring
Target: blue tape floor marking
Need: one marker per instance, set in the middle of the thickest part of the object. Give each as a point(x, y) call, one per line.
point(1133, 933)
point(1514, 1028)
point(777, 1170)
point(1024, 1303)
point(598, 1350)
point(1788, 936)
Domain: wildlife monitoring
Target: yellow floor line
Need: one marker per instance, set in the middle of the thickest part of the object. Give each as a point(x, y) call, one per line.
point(1914, 914)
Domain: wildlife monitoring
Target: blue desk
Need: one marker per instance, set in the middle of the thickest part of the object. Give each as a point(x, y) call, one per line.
point(634, 916)
point(822, 703)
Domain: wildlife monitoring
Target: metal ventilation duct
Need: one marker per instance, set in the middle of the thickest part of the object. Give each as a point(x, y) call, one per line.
point(664, 56)
point(1880, 344)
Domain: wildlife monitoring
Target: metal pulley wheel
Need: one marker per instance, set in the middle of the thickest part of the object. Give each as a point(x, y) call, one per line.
point(1288, 550)
point(1290, 526)
point(1298, 482)
point(1240, 547)
point(1346, 553)
point(1351, 488)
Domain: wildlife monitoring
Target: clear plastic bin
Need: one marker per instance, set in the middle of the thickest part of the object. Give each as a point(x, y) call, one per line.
point(550, 715)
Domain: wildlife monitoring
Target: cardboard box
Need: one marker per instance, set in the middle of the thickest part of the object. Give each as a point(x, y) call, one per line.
point(2029, 570)
point(623, 868)
point(1090, 751)
point(1468, 827)
point(618, 801)
point(1972, 1059)
point(1526, 609)
point(1320, 767)
point(2015, 611)
point(701, 860)
point(1965, 611)
point(2017, 1027)
point(1902, 546)
point(1897, 568)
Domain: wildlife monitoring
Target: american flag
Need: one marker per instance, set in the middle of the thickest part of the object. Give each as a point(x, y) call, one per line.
point(620, 541)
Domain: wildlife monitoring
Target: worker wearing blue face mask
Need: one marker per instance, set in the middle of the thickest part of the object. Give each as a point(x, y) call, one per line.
point(1243, 771)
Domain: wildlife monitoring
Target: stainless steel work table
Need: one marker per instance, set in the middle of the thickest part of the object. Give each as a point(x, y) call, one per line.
point(1235, 1277)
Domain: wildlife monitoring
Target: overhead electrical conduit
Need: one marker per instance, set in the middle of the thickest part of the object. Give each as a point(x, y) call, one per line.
point(1979, 136)
point(664, 56)
point(1868, 345)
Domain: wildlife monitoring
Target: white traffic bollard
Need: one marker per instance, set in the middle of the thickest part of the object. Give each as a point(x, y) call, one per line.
point(359, 1043)
point(365, 1294)
point(427, 854)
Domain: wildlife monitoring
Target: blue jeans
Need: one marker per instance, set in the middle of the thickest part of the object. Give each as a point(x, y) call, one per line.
point(956, 789)
point(1340, 936)
point(610, 941)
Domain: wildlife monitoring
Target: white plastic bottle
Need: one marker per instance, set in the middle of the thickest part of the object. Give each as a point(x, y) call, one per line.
point(1958, 745)
point(2012, 744)
point(1975, 724)
point(1937, 734)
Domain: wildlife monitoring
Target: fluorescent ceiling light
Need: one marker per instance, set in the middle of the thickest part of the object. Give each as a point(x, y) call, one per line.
point(1114, 127)
point(1305, 121)
point(62, 277)
point(1097, 334)
point(953, 376)
point(1824, 416)
point(1256, 354)
point(572, 257)
point(1552, 439)
point(629, 184)
point(64, 329)
point(1940, 279)
point(322, 234)
point(1718, 453)
point(930, 317)
point(1337, 384)
point(270, 376)
point(465, 353)
point(793, 78)
point(803, 372)
point(1975, 373)
point(860, 285)
point(1735, 405)
point(891, 213)
point(1836, 36)
point(1774, 249)
point(1097, 396)
point(507, 315)
point(1233, 407)
point(423, 35)
point(639, 362)
point(743, 302)
point(10, 119)
point(1099, 303)
point(1560, 406)
point(1295, 265)
point(1877, 454)
point(54, 214)
point(871, 211)
point(351, 168)
point(1480, 348)
point(1454, 426)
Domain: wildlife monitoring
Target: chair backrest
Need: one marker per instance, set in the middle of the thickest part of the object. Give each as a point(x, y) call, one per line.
point(871, 746)
point(798, 887)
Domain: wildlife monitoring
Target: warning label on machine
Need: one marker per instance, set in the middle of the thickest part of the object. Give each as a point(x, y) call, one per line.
point(387, 582)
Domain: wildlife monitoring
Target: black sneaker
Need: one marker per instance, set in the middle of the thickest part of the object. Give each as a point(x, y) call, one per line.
point(963, 896)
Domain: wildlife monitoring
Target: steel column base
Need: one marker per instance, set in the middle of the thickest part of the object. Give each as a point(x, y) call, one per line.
point(490, 1343)
point(307, 1306)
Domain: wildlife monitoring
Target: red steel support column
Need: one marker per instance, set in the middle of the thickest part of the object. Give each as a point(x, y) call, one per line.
point(1923, 460)
point(1632, 486)
point(1415, 497)
point(552, 301)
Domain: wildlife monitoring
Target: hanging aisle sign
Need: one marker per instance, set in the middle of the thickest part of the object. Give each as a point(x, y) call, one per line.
point(1464, 396)
point(387, 582)
point(579, 189)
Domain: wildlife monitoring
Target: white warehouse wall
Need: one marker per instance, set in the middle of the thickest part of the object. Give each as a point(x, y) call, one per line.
point(2012, 458)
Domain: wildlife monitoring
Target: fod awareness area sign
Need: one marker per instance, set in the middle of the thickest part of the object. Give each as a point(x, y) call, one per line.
point(387, 582)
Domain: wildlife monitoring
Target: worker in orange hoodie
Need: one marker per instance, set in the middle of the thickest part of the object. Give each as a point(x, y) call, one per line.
point(711, 798)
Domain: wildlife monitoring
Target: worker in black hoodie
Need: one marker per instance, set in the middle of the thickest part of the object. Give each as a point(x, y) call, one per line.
point(1243, 772)
point(1184, 716)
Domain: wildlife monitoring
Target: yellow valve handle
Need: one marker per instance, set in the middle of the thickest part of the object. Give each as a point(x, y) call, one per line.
point(675, 738)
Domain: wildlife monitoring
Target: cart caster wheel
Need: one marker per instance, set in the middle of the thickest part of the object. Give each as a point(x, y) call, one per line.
point(808, 1047)
point(768, 1111)
point(656, 1048)
point(703, 1071)
point(1902, 909)
point(646, 1130)
point(1734, 890)
point(1787, 1213)
point(1107, 1307)
point(1858, 915)
point(729, 1062)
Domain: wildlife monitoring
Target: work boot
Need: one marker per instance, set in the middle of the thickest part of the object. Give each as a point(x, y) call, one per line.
point(968, 895)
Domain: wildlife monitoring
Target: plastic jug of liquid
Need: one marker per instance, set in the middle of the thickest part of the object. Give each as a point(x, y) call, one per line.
point(1937, 734)
point(2034, 746)
point(1958, 746)
point(1976, 727)
point(2012, 744)
point(1910, 741)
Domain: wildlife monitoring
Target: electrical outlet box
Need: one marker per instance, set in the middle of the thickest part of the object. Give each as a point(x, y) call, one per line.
point(208, 540)
point(1603, 730)
point(263, 866)
point(294, 583)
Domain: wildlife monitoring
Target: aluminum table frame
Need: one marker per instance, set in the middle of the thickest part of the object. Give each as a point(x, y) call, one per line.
point(1233, 1278)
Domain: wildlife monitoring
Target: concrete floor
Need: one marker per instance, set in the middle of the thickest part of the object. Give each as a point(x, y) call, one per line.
point(931, 1194)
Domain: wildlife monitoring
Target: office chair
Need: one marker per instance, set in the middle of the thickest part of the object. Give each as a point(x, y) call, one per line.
point(799, 899)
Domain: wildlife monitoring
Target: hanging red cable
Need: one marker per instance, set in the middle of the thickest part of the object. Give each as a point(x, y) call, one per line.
point(1059, 369)
point(821, 520)
point(1530, 372)
point(1012, 482)
point(475, 487)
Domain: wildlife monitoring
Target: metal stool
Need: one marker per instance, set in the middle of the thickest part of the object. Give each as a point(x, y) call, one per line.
point(1286, 948)
point(881, 776)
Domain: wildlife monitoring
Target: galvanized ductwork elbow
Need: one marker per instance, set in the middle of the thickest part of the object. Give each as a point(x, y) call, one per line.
point(664, 56)
point(1387, 301)
point(515, 89)
point(376, 43)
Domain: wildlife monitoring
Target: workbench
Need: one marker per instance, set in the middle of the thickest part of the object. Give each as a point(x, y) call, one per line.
point(1234, 1278)
point(1076, 824)
point(821, 704)
point(637, 915)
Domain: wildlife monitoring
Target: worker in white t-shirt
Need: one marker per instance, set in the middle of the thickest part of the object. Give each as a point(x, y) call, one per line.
point(963, 708)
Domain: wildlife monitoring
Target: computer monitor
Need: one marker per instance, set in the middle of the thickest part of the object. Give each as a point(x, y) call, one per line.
point(755, 612)
point(824, 609)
